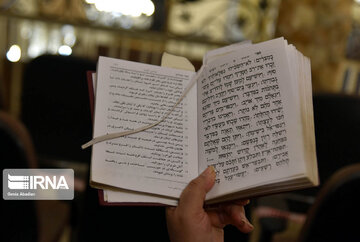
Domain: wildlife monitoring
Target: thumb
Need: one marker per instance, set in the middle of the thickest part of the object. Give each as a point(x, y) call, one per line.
point(193, 196)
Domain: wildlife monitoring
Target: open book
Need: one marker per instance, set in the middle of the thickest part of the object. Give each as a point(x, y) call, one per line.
point(247, 112)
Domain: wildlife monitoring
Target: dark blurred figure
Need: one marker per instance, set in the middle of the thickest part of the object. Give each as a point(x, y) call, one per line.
point(19, 217)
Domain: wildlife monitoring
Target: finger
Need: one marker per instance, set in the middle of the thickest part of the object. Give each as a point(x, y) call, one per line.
point(193, 196)
point(170, 210)
point(170, 213)
point(242, 202)
point(218, 216)
point(217, 219)
point(236, 215)
point(230, 214)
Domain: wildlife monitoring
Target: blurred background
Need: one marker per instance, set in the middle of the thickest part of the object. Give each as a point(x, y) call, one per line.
point(46, 47)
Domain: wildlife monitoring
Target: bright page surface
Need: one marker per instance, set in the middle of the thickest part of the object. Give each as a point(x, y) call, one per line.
point(160, 160)
point(249, 119)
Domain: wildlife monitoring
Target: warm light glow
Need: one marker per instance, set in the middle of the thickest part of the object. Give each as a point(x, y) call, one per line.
point(14, 53)
point(34, 50)
point(132, 8)
point(90, 1)
point(148, 8)
point(68, 32)
point(65, 50)
point(357, 1)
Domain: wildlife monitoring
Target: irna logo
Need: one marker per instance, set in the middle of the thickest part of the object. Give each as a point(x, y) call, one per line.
point(35, 182)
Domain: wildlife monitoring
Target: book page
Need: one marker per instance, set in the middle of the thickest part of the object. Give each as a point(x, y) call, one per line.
point(160, 160)
point(249, 121)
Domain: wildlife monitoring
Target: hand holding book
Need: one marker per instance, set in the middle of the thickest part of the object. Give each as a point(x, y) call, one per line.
point(189, 221)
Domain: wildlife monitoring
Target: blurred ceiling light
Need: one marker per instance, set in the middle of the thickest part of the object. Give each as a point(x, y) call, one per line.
point(70, 39)
point(65, 50)
point(68, 32)
point(134, 8)
point(26, 30)
point(34, 51)
point(14, 53)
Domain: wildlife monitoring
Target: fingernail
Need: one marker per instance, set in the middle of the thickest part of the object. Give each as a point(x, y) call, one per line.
point(172, 208)
point(210, 171)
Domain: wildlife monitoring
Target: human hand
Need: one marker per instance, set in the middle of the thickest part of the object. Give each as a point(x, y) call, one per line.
point(190, 222)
